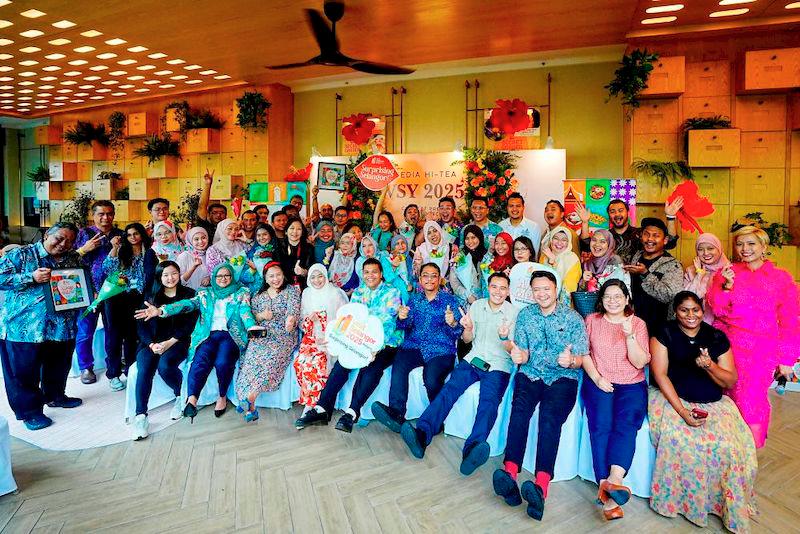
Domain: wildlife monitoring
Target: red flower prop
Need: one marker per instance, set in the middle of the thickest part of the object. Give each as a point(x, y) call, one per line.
point(298, 175)
point(357, 128)
point(509, 117)
point(236, 206)
point(694, 206)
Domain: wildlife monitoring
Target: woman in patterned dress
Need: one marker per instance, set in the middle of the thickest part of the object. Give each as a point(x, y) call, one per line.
point(276, 309)
point(705, 456)
point(321, 300)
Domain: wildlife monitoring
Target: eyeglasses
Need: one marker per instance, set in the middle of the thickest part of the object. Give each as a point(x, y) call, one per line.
point(222, 276)
point(160, 209)
point(611, 298)
point(429, 276)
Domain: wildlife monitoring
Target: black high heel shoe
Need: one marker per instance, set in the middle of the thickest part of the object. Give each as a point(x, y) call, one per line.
point(218, 413)
point(190, 411)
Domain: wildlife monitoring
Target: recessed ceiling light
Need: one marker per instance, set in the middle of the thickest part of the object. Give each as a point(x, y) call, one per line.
point(58, 103)
point(75, 100)
point(91, 33)
point(110, 82)
point(27, 73)
point(6, 56)
point(97, 97)
point(728, 13)
point(78, 62)
point(175, 61)
point(81, 94)
point(28, 62)
point(26, 82)
point(45, 87)
point(33, 13)
point(69, 82)
point(157, 55)
point(192, 67)
point(734, 2)
point(48, 78)
point(24, 98)
point(118, 73)
point(106, 55)
point(84, 49)
point(192, 82)
point(6, 95)
point(178, 77)
point(151, 82)
point(126, 86)
point(64, 24)
point(42, 101)
point(40, 107)
point(59, 42)
point(221, 77)
point(63, 90)
point(4, 42)
point(5, 23)
point(30, 49)
point(127, 62)
point(6, 87)
point(51, 68)
point(92, 78)
point(793, 5)
point(30, 34)
point(116, 41)
point(25, 91)
point(141, 90)
point(6, 68)
point(137, 49)
point(659, 20)
point(118, 94)
point(103, 90)
point(87, 86)
point(137, 77)
point(8, 107)
point(162, 72)
point(207, 72)
point(55, 56)
point(72, 73)
point(98, 68)
point(145, 67)
point(6, 79)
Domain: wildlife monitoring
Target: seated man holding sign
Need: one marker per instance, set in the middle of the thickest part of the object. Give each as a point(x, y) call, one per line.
point(488, 326)
point(383, 302)
point(430, 322)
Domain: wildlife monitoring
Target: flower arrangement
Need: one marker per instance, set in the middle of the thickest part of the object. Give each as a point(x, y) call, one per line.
point(358, 198)
point(490, 174)
point(357, 128)
point(508, 117)
point(115, 284)
point(252, 113)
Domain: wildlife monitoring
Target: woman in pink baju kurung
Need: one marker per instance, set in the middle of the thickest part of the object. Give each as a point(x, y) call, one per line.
point(756, 305)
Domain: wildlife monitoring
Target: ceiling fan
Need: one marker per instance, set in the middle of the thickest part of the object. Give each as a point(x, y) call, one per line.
point(329, 53)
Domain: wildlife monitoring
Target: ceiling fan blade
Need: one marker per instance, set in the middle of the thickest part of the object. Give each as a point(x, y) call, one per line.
point(292, 65)
point(326, 39)
point(372, 67)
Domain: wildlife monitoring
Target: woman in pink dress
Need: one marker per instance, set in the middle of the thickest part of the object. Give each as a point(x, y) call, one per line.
point(756, 305)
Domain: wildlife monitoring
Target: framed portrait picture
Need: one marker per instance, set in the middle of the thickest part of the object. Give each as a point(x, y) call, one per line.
point(331, 175)
point(68, 289)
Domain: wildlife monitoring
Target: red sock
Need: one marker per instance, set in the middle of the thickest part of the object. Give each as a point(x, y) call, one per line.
point(543, 481)
point(511, 468)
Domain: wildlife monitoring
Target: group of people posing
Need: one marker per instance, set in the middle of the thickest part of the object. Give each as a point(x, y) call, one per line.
point(694, 350)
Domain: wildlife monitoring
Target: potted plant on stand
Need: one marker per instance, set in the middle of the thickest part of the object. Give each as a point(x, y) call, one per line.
point(162, 153)
point(630, 79)
point(92, 140)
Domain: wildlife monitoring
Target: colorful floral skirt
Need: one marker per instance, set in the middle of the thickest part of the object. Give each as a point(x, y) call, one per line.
point(710, 469)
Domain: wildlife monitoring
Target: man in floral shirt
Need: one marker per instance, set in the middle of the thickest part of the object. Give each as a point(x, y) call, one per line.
point(479, 208)
point(383, 301)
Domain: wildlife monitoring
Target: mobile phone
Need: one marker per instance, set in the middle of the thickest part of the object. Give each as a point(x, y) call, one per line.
point(699, 414)
point(479, 363)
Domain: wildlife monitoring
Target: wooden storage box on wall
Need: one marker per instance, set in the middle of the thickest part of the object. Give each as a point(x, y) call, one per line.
point(141, 124)
point(794, 113)
point(761, 113)
point(202, 140)
point(47, 135)
point(166, 167)
point(92, 152)
point(232, 139)
point(714, 148)
point(224, 186)
point(715, 184)
point(759, 186)
point(105, 189)
point(656, 116)
point(763, 150)
point(168, 188)
point(708, 79)
point(770, 70)
point(667, 77)
point(142, 189)
point(659, 147)
point(171, 122)
point(126, 210)
point(65, 171)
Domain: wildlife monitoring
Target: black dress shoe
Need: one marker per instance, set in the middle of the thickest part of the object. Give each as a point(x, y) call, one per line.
point(65, 402)
point(88, 376)
point(413, 439)
point(474, 458)
point(535, 497)
point(345, 423)
point(506, 487)
point(387, 416)
point(312, 417)
point(219, 413)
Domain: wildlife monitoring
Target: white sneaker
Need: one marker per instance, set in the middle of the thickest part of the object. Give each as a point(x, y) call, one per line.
point(140, 427)
point(177, 409)
point(123, 378)
point(116, 384)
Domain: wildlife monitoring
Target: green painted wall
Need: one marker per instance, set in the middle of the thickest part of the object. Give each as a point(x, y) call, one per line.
point(582, 123)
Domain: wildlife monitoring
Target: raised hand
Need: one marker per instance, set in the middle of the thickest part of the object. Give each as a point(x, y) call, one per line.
point(466, 321)
point(291, 323)
point(518, 355)
point(266, 315)
point(672, 208)
point(197, 261)
point(703, 361)
point(41, 275)
point(503, 330)
point(208, 177)
point(402, 312)
point(449, 317)
point(251, 265)
point(565, 358)
point(315, 191)
point(627, 325)
point(583, 212)
point(587, 276)
point(636, 268)
point(299, 271)
point(728, 275)
point(698, 265)
point(93, 243)
point(116, 243)
point(149, 312)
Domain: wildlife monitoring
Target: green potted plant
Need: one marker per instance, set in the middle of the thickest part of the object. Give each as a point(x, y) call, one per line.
point(162, 153)
point(187, 208)
point(92, 140)
point(630, 79)
point(252, 111)
point(122, 194)
point(39, 174)
point(203, 131)
point(717, 122)
point(663, 171)
point(176, 115)
point(778, 233)
point(108, 175)
point(116, 134)
point(77, 211)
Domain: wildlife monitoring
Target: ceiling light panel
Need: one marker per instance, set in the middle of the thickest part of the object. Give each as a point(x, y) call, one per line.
point(5, 23)
point(33, 13)
point(59, 42)
point(175, 61)
point(84, 49)
point(30, 34)
point(136, 49)
point(729, 12)
point(98, 67)
point(55, 56)
point(30, 49)
point(116, 41)
point(106, 55)
point(6, 56)
point(659, 20)
point(64, 24)
point(28, 62)
point(127, 62)
point(5, 42)
point(157, 55)
point(735, 2)
point(91, 33)
point(78, 62)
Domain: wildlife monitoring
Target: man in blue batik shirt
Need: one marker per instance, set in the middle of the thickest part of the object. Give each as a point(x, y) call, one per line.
point(36, 344)
point(431, 325)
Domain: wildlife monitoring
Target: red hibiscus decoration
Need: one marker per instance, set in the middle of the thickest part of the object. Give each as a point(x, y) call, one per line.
point(236, 206)
point(510, 116)
point(358, 128)
point(299, 175)
point(694, 206)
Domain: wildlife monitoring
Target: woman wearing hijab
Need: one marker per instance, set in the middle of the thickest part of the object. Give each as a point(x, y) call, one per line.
point(367, 249)
point(323, 241)
point(559, 255)
point(698, 276)
point(501, 258)
point(264, 250)
point(276, 307)
point(435, 248)
point(603, 264)
point(321, 300)
point(297, 254)
point(165, 241)
point(466, 279)
point(218, 337)
point(342, 269)
point(192, 261)
point(228, 247)
point(395, 266)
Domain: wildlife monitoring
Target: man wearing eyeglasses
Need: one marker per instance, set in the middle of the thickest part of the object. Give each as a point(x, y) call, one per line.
point(479, 209)
point(431, 325)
